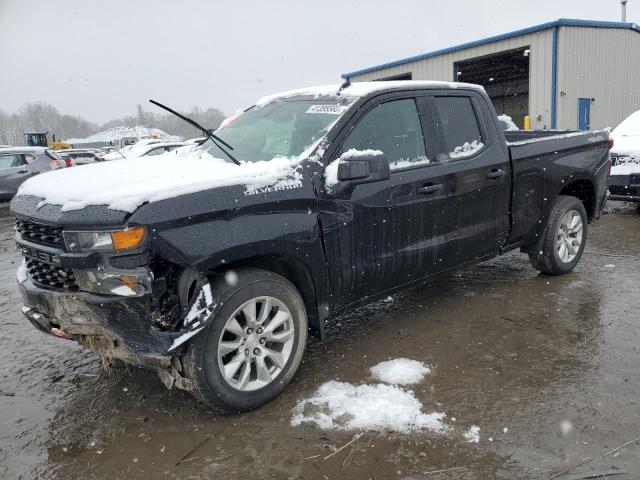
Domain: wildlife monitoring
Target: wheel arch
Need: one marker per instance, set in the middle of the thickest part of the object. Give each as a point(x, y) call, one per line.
point(294, 270)
point(584, 190)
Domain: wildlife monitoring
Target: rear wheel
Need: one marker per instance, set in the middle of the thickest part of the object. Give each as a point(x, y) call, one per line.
point(254, 345)
point(564, 238)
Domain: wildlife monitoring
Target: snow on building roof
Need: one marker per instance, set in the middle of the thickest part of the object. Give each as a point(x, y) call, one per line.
point(124, 131)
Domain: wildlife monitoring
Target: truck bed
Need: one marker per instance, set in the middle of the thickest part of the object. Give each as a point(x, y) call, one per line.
point(545, 142)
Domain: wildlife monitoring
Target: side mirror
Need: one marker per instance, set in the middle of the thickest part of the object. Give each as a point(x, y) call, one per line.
point(365, 168)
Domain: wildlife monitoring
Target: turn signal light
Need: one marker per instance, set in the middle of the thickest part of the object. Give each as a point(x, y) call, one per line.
point(127, 239)
point(610, 143)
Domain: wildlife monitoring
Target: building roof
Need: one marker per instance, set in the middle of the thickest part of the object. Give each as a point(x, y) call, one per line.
point(563, 22)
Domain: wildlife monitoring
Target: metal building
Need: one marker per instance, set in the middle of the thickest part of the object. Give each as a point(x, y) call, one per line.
point(566, 74)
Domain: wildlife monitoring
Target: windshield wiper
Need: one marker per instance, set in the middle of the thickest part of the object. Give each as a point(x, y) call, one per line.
point(214, 138)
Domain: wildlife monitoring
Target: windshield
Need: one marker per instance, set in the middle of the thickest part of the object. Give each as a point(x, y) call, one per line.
point(278, 129)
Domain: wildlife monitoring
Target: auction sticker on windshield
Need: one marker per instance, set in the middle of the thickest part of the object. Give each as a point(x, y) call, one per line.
point(331, 109)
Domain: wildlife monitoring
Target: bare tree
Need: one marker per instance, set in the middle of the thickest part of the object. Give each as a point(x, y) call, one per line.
point(43, 117)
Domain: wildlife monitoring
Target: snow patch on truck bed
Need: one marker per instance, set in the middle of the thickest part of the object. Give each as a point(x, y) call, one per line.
point(125, 185)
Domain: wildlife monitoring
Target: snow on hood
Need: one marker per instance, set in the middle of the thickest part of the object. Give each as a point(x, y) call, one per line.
point(626, 137)
point(125, 185)
point(626, 145)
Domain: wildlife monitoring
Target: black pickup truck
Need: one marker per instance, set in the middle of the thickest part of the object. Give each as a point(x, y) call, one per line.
point(211, 265)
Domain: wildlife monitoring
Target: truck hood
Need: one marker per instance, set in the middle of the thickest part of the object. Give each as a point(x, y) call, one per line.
point(124, 185)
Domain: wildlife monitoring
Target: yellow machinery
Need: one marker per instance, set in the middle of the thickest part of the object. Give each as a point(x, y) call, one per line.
point(39, 139)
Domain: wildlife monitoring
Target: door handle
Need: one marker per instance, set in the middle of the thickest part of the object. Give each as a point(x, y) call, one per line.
point(23, 171)
point(495, 173)
point(429, 189)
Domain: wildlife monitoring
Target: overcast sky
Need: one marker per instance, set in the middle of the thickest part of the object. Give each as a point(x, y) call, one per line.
point(99, 58)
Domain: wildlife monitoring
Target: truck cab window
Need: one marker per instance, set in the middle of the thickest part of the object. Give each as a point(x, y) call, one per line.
point(459, 127)
point(393, 128)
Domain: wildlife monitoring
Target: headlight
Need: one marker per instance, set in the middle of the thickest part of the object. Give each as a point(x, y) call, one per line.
point(110, 241)
point(133, 282)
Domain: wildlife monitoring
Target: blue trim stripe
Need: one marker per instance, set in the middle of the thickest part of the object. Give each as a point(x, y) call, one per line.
point(563, 22)
point(554, 79)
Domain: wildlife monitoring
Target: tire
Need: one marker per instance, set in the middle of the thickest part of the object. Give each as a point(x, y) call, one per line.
point(205, 354)
point(548, 256)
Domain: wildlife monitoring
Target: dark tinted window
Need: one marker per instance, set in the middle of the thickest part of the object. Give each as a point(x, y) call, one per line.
point(155, 151)
point(459, 126)
point(394, 129)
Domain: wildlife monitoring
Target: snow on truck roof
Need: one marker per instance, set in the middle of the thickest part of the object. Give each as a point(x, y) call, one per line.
point(361, 89)
point(126, 185)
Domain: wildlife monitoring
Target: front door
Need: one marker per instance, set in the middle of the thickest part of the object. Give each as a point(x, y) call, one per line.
point(584, 114)
point(380, 235)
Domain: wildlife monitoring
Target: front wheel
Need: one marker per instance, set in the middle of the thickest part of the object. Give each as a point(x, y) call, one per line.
point(564, 238)
point(253, 347)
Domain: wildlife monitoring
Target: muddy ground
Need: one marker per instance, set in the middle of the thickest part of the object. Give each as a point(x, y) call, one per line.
point(553, 360)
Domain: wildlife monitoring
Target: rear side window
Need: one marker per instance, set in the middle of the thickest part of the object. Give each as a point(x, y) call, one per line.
point(155, 151)
point(10, 161)
point(459, 126)
point(393, 128)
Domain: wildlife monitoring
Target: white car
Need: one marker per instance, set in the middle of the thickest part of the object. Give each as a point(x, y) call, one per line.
point(144, 148)
point(624, 183)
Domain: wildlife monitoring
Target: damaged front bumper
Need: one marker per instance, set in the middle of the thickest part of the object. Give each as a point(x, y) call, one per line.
point(115, 327)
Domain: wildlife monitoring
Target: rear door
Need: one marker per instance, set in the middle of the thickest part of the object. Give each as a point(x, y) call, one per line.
point(473, 166)
point(13, 171)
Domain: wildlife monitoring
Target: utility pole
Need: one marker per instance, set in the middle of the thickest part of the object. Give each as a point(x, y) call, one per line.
point(624, 10)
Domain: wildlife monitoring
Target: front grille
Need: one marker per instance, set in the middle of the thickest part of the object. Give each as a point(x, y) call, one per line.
point(40, 233)
point(47, 275)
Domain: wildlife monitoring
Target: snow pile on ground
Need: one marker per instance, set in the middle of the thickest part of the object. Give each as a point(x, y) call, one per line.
point(466, 150)
point(473, 434)
point(126, 185)
point(331, 172)
point(400, 371)
point(508, 121)
point(344, 406)
point(124, 131)
point(360, 89)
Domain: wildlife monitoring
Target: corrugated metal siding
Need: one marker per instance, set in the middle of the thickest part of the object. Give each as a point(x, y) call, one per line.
point(598, 63)
point(441, 68)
